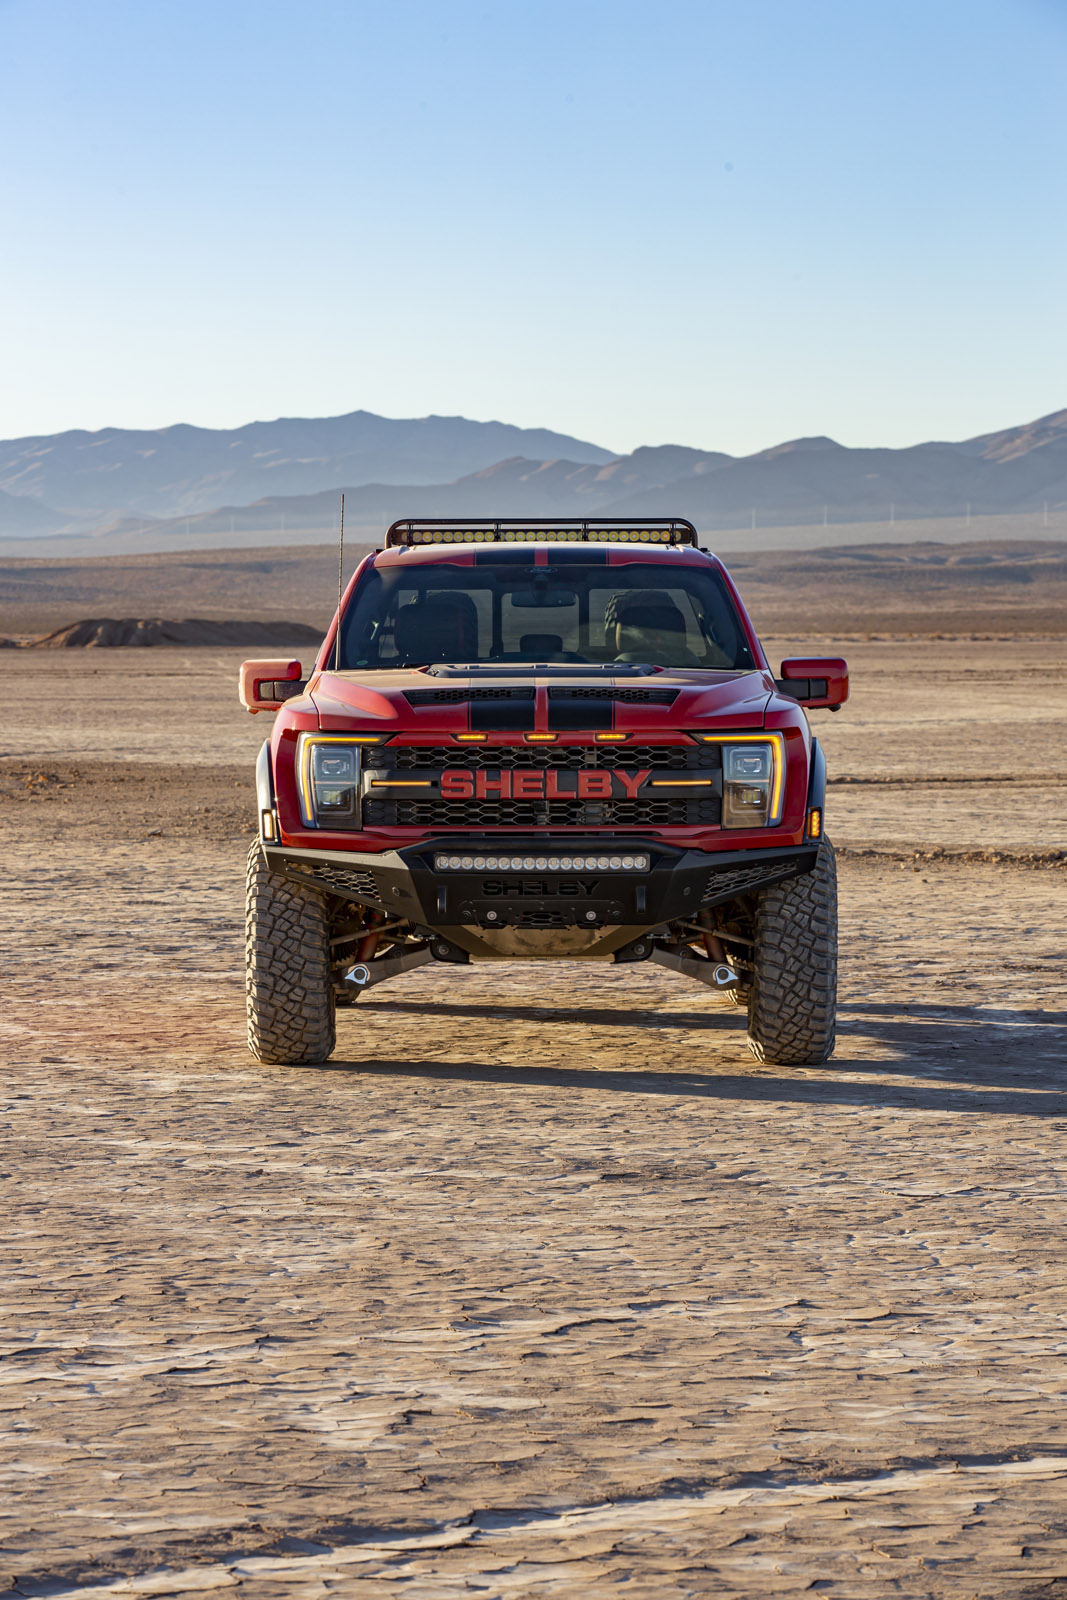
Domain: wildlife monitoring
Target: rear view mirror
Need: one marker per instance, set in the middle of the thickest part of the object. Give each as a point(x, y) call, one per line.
point(266, 685)
point(815, 681)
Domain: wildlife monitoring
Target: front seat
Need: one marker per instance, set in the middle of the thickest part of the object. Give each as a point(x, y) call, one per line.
point(442, 629)
point(653, 631)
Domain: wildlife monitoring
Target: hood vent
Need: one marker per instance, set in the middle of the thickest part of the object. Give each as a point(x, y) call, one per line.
point(640, 697)
point(458, 697)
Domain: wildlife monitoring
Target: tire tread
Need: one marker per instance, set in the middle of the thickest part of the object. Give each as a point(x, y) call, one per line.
point(793, 1001)
point(288, 980)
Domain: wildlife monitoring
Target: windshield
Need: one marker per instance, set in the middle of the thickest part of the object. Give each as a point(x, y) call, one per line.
point(592, 614)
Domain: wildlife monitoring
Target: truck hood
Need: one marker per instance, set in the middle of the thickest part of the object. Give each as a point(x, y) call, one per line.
point(414, 700)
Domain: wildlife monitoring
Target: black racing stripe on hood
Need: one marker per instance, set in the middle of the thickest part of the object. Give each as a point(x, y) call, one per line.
point(507, 716)
point(580, 716)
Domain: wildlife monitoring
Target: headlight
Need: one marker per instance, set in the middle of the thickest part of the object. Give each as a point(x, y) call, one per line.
point(328, 770)
point(753, 779)
point(752, 784)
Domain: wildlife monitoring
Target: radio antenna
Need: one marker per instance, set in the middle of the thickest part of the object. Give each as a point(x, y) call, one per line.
point(340, 571)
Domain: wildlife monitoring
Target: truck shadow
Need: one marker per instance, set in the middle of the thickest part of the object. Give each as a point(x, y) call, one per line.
point(989, 1046)
point(956, 1058)
point(816, 1086)
point(589, 1016)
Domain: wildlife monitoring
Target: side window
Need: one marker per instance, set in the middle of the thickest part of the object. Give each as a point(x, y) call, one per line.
point(369, 637)
point(694, 637)
point(721, 636)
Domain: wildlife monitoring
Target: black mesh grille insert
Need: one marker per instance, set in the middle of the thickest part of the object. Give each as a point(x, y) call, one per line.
point(349, 881)
point(480, 814)
point(668, 757)
point(738, 880)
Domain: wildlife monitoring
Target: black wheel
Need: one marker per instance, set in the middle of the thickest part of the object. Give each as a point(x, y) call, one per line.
point(288, 982)
point(792, 1006)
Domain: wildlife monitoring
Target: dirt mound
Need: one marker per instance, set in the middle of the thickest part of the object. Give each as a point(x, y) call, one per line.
point(95, 632)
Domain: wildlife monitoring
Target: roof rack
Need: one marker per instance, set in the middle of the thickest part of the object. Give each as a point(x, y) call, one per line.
point(551, 530)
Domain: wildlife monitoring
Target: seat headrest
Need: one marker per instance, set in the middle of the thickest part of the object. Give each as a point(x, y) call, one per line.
point(632, 608)
point(541, 644)
point(653, 614)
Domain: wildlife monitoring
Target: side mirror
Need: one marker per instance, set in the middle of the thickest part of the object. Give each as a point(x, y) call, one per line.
point(266, 685)
point(815, 681)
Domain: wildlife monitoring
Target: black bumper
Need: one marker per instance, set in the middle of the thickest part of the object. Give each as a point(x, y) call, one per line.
point(406, 884)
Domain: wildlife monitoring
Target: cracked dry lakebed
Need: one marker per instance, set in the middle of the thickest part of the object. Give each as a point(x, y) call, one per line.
point(542, 1286)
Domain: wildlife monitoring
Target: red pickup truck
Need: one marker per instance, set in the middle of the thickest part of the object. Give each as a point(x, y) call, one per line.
point(542, 741)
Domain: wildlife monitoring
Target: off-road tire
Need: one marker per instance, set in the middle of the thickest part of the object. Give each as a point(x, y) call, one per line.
point(792, 1006)
point(288, 982)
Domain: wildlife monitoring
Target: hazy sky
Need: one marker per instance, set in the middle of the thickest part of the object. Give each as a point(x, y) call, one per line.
point(719, 224)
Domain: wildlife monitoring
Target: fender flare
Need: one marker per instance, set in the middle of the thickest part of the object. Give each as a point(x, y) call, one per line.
point(264, 785)
point(817, 777)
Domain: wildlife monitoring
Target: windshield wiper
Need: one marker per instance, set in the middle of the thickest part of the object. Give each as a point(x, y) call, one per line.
point(511, 669)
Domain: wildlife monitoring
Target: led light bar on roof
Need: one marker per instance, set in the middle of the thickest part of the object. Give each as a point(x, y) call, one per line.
point(549, 530)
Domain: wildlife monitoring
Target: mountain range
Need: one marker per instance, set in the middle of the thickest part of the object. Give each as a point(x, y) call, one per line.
point(206, 484)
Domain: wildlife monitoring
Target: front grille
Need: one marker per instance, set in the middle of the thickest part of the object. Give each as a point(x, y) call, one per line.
point(479, 814)
point(660, 757)
point(649, 811)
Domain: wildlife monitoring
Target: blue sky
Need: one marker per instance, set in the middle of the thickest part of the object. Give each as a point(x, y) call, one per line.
point(717, 224)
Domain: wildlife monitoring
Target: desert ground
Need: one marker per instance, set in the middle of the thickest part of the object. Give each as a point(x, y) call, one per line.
point(1009, 585)
point(542, 1286)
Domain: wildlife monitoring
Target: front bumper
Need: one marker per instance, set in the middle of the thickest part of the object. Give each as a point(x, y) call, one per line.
point(405, 883)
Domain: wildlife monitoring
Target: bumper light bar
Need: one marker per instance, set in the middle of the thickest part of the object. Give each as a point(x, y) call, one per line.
point(620, 863)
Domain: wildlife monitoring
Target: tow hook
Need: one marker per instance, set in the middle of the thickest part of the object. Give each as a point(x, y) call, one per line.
point(443, 950)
